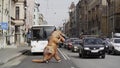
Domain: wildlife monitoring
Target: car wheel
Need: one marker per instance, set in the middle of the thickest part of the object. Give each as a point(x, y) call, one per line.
point(109, 52)
point(80, 55)
point(72, 50)
point(103, 56)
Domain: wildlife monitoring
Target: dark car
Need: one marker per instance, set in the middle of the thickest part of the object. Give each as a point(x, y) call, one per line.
point(107, 45)
point(69, 43)
point(75, 45)
point(92, 46)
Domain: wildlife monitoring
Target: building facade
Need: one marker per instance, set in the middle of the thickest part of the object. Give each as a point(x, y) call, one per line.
point(72, 14)
point(19, 21)
point(67, 28)
point(113, 16)
point(29, 14)
point(36, 13)
point(89, 17)
point(97, 17)
point(82, 18)
point(12, 12)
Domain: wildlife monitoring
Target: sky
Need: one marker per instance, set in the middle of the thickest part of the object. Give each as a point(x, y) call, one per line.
point(55, 12)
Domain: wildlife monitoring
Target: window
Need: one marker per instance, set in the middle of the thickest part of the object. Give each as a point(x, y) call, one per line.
point(17, 29)
point(17, 12)
point(34, 16)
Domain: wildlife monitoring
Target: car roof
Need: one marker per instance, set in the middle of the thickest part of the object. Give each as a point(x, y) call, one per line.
point(92, 38)
point(115, 38)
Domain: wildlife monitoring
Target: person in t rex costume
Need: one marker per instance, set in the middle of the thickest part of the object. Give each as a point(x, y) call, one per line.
point(51, 49)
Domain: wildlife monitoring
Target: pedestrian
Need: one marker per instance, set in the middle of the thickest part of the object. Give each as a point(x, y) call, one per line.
point(28, 37)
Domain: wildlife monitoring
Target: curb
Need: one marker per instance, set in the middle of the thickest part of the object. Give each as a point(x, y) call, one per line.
point(13, 57)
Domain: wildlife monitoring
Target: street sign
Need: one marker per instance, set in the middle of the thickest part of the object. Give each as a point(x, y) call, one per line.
point(4, 25)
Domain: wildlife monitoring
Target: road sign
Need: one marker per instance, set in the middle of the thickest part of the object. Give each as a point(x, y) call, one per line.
point(4, 25)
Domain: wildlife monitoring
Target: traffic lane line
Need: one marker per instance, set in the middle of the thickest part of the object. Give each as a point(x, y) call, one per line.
point(65, 56)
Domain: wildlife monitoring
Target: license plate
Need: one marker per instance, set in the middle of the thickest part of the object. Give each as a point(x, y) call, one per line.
point(75, 49)
point(94, 51)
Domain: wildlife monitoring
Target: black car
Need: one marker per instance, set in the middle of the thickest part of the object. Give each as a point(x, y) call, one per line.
point(92, 46)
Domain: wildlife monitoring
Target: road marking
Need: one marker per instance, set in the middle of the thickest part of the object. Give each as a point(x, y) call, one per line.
point(64, 55)
point(72, 67)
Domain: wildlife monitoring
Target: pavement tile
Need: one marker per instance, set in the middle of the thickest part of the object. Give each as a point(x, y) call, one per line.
point(7, 54)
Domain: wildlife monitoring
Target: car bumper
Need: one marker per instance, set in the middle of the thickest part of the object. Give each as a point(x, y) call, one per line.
point(75, 49)
point(93, 53)
point(36, 50)
point(116, 51)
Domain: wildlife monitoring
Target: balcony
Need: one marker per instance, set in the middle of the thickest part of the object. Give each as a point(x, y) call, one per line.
point(18, 22)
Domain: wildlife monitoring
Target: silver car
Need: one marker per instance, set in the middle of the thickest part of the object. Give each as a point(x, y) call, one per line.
point(115, 46)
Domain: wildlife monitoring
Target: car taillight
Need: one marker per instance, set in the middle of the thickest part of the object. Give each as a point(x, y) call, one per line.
point(70, 46)
point(70, 43)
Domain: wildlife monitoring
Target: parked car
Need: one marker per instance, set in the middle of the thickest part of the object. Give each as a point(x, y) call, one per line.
point(115, 46)
point(75, 45)
point(92, 46)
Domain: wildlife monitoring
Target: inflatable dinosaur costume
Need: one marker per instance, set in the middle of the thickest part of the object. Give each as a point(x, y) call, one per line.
point(51, 49)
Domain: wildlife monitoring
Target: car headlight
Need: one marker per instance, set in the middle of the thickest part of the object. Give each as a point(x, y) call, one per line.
point(75, 47)
point(86, 48)
point(106, 46)
point(101, 48)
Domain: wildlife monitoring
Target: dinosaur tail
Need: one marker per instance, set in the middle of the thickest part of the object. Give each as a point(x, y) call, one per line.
point(39, 61)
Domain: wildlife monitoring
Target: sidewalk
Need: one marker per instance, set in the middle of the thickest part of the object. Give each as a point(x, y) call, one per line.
point(8, 54)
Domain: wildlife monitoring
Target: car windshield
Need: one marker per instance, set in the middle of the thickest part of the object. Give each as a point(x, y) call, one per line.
point(117, 41)
point(76, 42)
point(72, 39)
point(92, 41)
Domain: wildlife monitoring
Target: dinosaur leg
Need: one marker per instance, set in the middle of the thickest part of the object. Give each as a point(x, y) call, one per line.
point(57, 57)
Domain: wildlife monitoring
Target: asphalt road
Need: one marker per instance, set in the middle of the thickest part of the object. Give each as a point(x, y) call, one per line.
point(111, 61)
point(24, 61)
point(69, 60)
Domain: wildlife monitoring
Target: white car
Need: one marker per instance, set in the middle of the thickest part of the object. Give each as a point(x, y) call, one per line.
point(115, 46)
